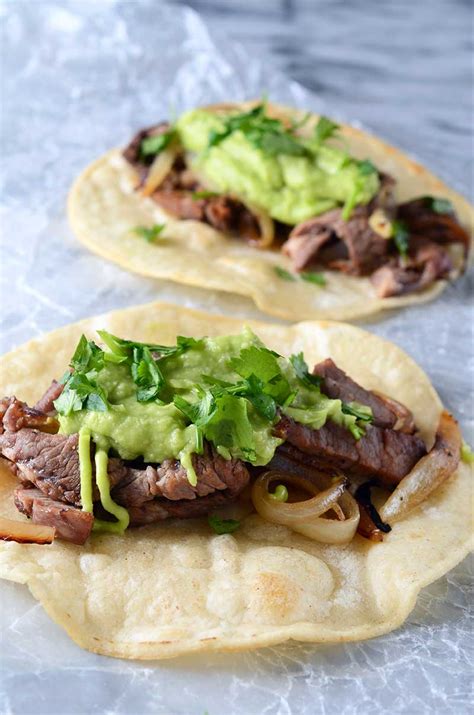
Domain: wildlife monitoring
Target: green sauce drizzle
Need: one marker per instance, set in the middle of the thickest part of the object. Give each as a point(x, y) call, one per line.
point(85, 469)
point(102, 479)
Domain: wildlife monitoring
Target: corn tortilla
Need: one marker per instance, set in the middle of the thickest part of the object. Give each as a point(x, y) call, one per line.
point(103, 210)
point(175, 588)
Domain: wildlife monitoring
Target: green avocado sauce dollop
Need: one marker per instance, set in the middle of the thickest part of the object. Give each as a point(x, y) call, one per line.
point(293, 178)
point(156, 403)
point(157, 429)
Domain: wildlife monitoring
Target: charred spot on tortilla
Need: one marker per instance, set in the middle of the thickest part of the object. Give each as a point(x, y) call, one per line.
point(142, 432)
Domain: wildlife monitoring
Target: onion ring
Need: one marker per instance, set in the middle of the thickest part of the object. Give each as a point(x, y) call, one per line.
point(428, 473)
point(265, 223)
point(306, 517)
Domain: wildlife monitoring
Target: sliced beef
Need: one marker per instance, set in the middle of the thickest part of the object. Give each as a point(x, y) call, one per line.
point(223, 213)
point(176, 194)
point(385, 411)
point(354, 248)
point(422, 221)
point(15, 414)
point(384, 454)
point(51, 463)
point(351, 246)
point(71, 524)
point(426, 262)
point(46, 402)
point(159, 509)
point(170, 480)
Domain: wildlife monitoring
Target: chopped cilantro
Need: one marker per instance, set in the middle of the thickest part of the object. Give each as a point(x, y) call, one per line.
point(316, 278)
point(439, 205)
point(123, 348)
point(150, 146)
point(222, 419)
point(229, 426)
point(362, 412)
point(325, 128)
point(81, 392)
point(285, 275)
point(143, 359)
point(302, 372)
point(80, 387)
point(262, 131)
point(366, 167)
point(401, 236)
point(149, 234)
point(146, 374)
point(87, 356)
point(260, 365)
point(223, 526)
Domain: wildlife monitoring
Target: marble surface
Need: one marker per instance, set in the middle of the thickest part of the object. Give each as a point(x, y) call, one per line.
point(77, 78)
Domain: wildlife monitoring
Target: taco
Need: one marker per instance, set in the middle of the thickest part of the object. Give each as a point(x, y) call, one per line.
point(214, 493)
point(308, 218)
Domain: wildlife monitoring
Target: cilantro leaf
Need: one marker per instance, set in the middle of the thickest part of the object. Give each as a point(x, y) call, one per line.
point(199, 413)
point(282, 273)
point(183, 343)
point(324, 129)
point(366, 167)
point(266, 133)
point(124, 348)
point(149, 234)
point(153, 145)
point(223, 526)
point(253, 389)
point(401, 236)
point(146, 374)
point(261, 365)
point(87, 356)
point(143, 359)
point(229, 426)
point(439, 205)
point(362, 412)
point(221, 418)
point(67, 402)
point(279, 142)
point(81, 392)
point(302, 373)
point(316, 278)
point(257, 361)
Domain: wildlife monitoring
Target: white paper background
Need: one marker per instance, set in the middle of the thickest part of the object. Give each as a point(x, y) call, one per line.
point(77, 78)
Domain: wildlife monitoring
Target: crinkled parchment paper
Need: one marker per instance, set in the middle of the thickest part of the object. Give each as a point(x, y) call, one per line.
point(78, 78)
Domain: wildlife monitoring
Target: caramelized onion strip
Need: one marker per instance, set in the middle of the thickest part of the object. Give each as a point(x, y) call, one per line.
point(266, 225)
point(25, 532)
point(160, 168)
point(428, 473)
point(306, 517)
